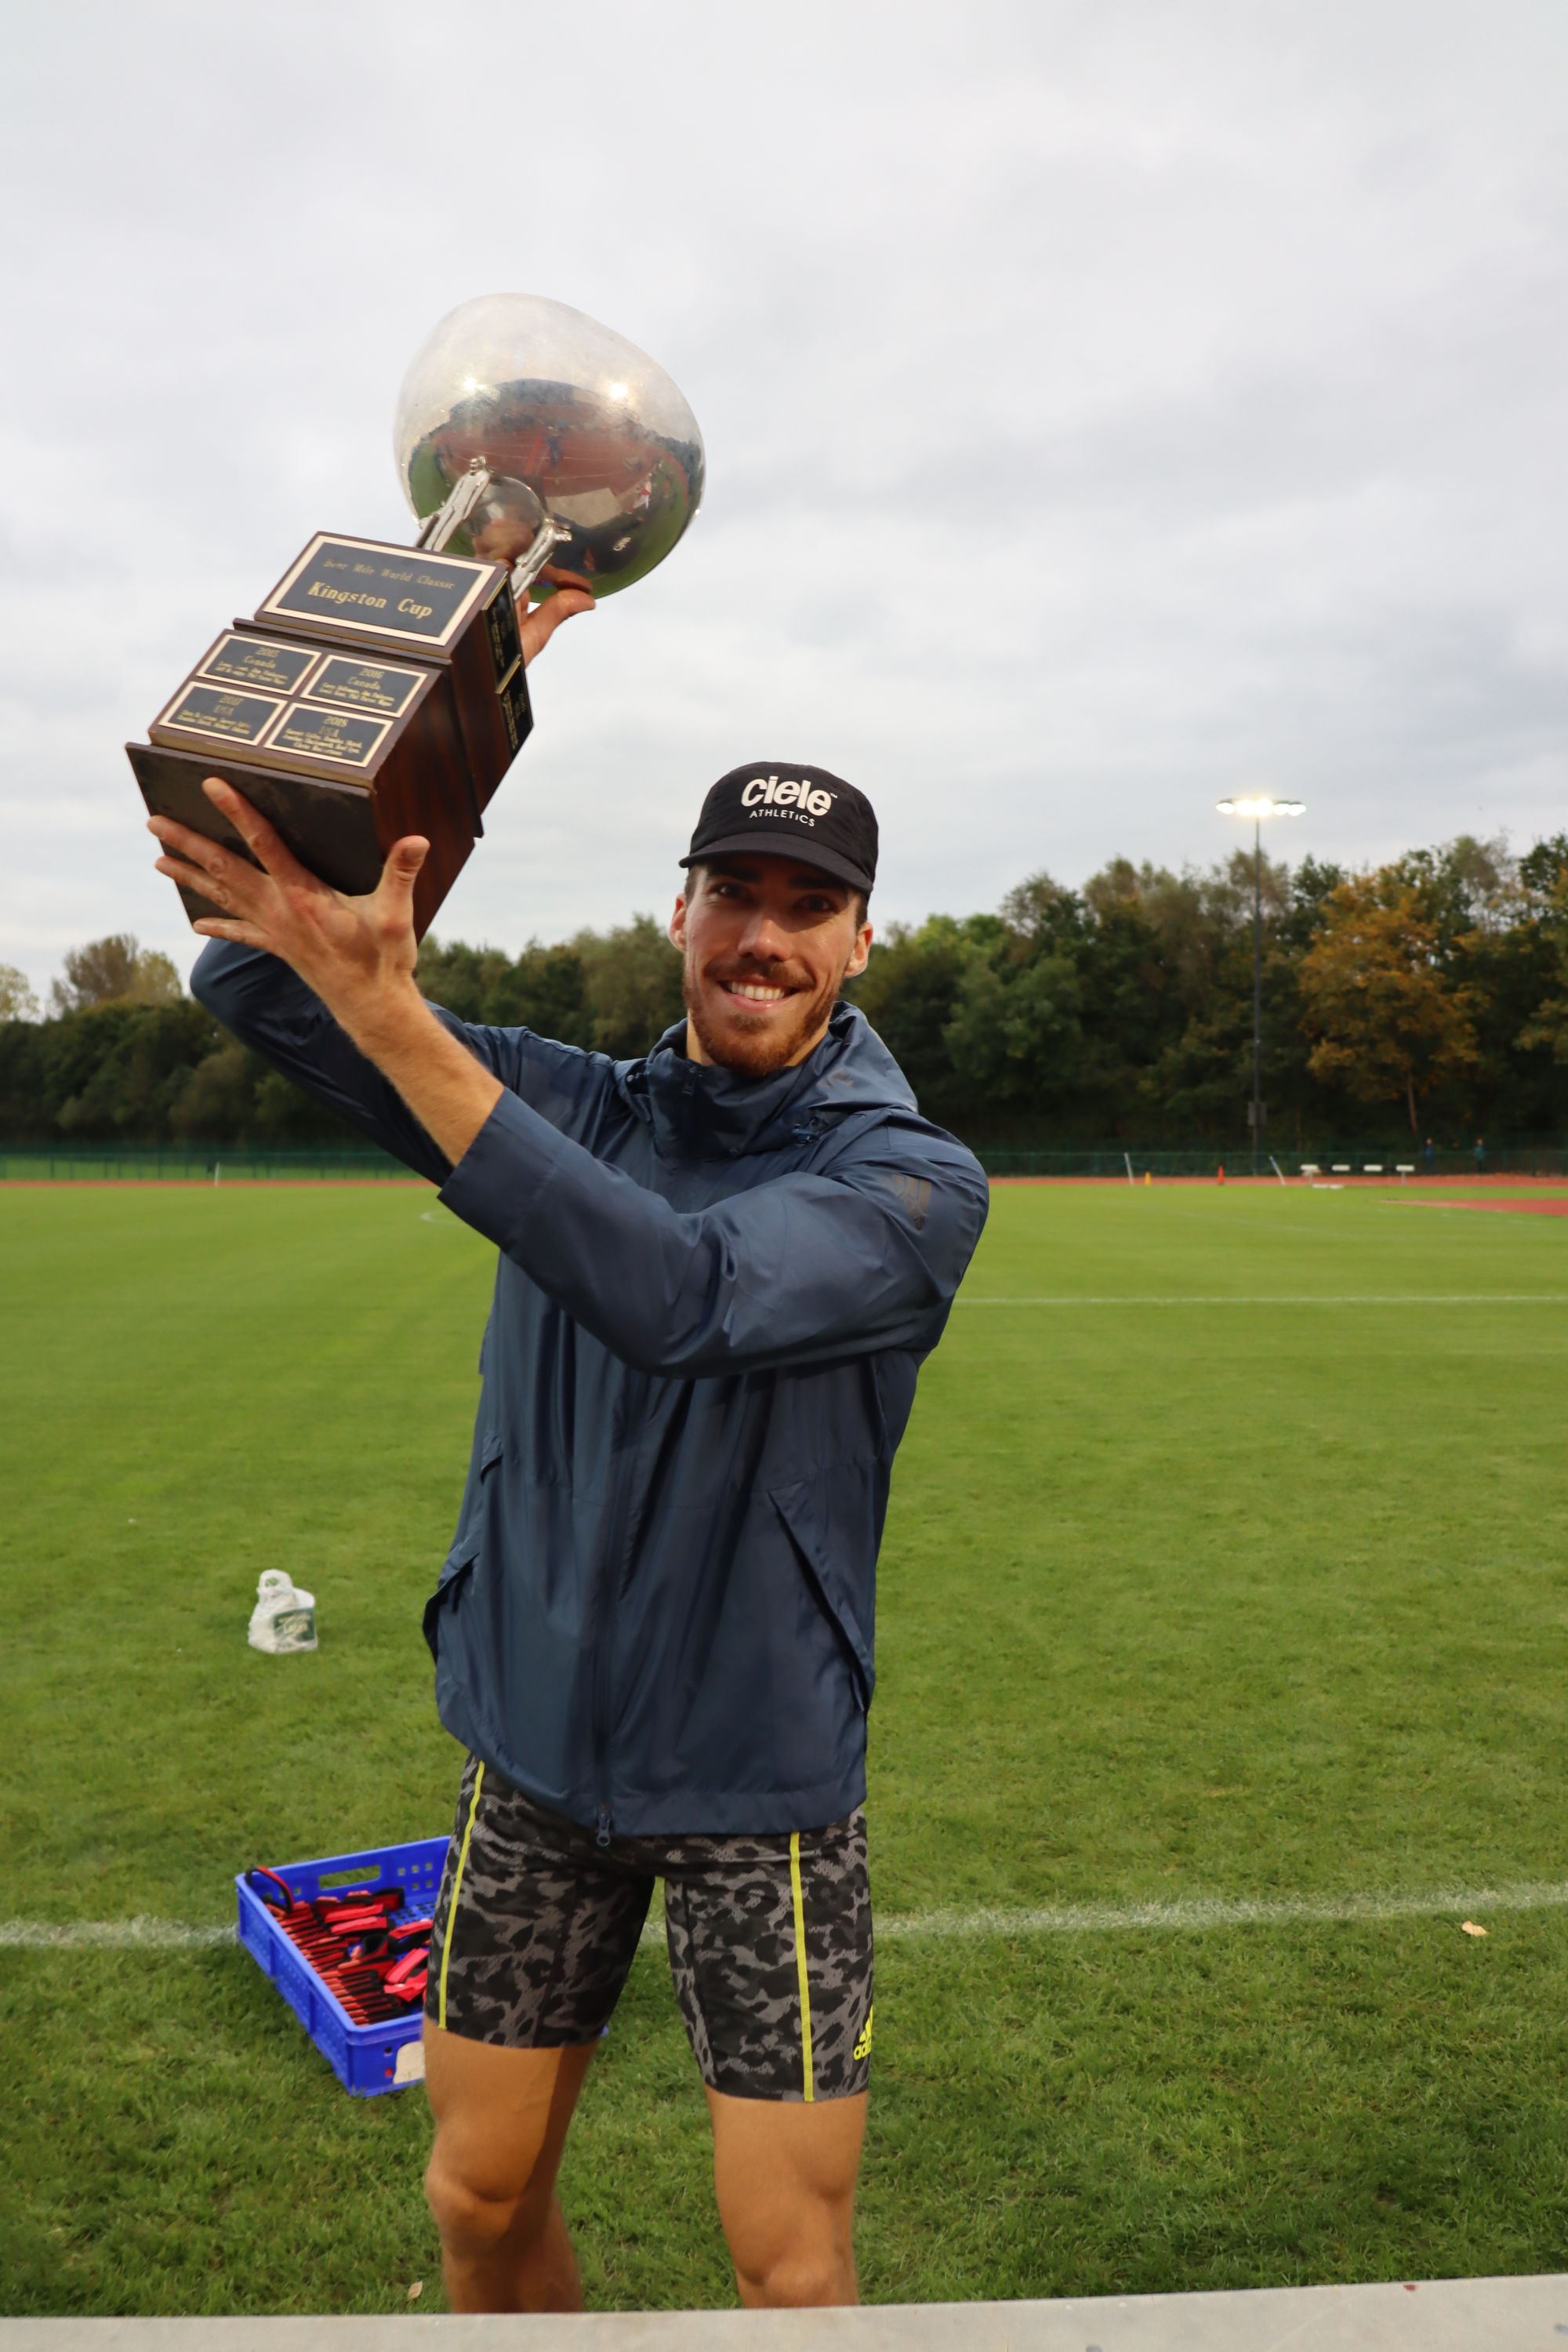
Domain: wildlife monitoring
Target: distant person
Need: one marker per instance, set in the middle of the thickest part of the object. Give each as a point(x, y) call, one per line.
point(1430, 1156)
point(1481, 1156)
point(720, 1269)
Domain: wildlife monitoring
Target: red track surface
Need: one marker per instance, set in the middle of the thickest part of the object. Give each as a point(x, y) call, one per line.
point(229, 1185)
point(1550, 1208)
point(1558, 1208)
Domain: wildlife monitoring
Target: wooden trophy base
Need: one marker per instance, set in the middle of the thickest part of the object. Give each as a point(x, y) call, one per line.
point(341, 832)
point(378, 692)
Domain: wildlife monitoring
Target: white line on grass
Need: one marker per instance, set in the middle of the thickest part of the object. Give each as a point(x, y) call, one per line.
point(1286, 1299)
point(1222, 1911)
point(1197, 1911)
point(139, 1934)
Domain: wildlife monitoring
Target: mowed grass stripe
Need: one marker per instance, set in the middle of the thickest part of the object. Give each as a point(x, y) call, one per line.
point(1275, 1299)
point(1195, 1913)
point(1170, 1602)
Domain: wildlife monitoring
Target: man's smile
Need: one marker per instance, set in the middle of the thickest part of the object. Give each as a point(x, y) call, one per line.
point(756, 992)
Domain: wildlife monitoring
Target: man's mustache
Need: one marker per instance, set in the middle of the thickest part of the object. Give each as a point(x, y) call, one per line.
point(766, 975)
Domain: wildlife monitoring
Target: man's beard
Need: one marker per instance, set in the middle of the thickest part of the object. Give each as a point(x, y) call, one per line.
point(758, 1043)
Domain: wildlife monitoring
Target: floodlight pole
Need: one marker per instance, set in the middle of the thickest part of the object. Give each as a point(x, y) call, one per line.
point(1257, 991)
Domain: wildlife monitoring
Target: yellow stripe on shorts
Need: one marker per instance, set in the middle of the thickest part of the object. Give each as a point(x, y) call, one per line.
point(457, 1890)
point(808, 2090)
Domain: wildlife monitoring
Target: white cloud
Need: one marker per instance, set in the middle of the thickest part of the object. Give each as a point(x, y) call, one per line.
point(1105, 406)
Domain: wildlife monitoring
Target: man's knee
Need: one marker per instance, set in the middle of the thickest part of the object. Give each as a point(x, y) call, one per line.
point(500, 2119)
point(785, 2174)
point(792, 2241)
point(477, 2214)
point(797, 2256)
point(816, 2269)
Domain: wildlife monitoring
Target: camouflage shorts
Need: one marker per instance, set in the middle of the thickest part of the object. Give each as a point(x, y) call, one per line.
point(770, 1941)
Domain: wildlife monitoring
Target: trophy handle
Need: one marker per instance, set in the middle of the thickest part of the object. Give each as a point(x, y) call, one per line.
point(467, 493)
point(534, 558)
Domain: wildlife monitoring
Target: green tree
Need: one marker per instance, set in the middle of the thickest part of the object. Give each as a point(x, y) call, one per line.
point(544, 989)
point(217, 1100)
point(1132, 994)
point(18, 1002)
point(908, 994)
point(1015, 1032)
point(1546, 929)
point(1120, 1011)
point(465, 979)
point(114, 970)
point(118, 1069)
point(1310, 886)
point(547, 990)
point(1201, 1079)
point(631, 985)
point(1465, 886)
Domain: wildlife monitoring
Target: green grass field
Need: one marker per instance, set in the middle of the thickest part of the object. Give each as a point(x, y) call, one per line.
point(1257, 1596)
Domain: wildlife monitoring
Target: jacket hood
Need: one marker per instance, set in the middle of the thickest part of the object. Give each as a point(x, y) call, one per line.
point(700, 1111)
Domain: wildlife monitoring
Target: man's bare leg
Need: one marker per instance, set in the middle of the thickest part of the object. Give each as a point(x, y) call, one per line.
point(501, 2117)
point(784, 2175)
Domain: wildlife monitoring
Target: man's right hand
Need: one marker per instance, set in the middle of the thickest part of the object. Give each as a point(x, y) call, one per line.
point(537, 623)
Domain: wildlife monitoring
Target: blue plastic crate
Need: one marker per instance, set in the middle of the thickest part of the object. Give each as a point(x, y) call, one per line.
point(366, 2059)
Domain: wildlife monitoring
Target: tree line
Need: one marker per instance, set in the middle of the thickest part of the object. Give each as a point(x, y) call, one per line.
point(1429, 995)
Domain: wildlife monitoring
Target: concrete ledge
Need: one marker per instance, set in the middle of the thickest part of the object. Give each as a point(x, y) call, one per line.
point(1499, 2315)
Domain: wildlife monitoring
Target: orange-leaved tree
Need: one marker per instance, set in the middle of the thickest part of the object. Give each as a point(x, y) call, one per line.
point(1388, 1021)
point(1548, 1025)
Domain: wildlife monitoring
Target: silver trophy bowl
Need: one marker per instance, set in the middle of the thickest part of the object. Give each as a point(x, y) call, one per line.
point(526, 432)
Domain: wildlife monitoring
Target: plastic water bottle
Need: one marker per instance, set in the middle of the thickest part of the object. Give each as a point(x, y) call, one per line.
point(284, 1617)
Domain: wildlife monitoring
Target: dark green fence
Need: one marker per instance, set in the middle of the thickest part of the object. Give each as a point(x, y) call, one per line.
point(195, 1164)
point(234, 1162)
point(1511, 1159)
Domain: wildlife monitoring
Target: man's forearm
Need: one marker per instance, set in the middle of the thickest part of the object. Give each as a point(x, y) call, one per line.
point(449, 1093)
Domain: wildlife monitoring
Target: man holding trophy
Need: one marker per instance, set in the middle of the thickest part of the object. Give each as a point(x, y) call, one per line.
point(719, 1268)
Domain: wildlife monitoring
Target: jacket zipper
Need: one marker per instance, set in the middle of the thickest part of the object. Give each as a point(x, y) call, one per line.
point(602, 1620)
point(609, 1585)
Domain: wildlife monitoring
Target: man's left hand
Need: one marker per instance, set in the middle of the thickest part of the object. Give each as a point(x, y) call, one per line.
point(356, 954)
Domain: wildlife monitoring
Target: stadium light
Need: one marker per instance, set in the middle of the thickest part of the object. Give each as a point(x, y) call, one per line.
point(1260, 807)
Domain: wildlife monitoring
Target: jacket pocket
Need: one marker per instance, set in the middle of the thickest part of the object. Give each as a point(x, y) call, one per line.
point(466, 1544)
point(454, 1576)
point(796, 1507)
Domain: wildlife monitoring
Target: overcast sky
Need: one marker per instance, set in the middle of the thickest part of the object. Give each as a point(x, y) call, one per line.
point(1107, 407)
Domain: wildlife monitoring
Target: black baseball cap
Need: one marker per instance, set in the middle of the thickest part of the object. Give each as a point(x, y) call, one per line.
point(776, 808)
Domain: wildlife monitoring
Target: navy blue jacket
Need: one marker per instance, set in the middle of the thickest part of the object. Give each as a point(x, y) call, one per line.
point(713, 1296)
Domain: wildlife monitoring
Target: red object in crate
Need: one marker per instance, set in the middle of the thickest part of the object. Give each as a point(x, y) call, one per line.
point(333, 1937)
point(307, 1925)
